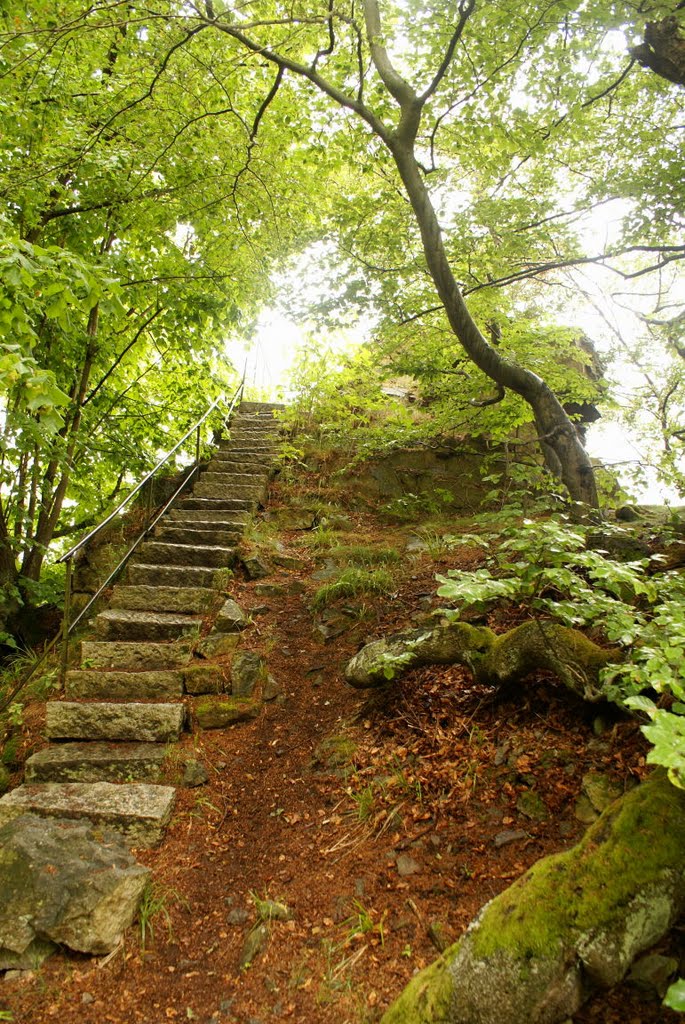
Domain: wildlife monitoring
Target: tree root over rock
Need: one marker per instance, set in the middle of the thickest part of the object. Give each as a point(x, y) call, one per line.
point(572, 924)
point(493, 660)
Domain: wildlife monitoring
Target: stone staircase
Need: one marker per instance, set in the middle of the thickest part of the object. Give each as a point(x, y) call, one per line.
point(127, 702)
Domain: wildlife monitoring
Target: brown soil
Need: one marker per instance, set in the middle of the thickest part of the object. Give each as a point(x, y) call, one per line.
point(374, 818)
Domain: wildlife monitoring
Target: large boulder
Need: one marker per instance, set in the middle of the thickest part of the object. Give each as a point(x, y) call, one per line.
point(571, 924)
point(63, 883)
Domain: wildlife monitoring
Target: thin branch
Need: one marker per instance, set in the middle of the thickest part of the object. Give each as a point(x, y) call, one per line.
point(466, 8)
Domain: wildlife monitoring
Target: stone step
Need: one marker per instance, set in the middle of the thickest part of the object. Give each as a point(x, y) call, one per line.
point(228, 519)
point(259, 407)
point(144, 723)
point(120, 656)
point(165, 599)
point(134, 624)
point(144, 575)
point(246, 469)
point(156, 553)
point(229, 478)
point(238, 505)
point(150, 684)
point(201, 534)
point(220, 490)
point(96, 762)
point(264, 459)
point(249, 447)
point(139, 810)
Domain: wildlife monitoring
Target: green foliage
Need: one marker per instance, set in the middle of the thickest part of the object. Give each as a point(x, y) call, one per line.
point(547, 566)
point(352, 582)
point(675, 997)
point(364, 555)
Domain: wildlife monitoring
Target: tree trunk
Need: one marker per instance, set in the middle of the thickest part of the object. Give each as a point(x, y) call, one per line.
point(562, 449)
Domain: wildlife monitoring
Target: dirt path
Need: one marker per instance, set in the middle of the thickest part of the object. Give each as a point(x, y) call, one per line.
point(383, 827)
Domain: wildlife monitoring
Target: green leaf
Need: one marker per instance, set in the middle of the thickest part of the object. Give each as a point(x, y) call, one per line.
point(675, 996)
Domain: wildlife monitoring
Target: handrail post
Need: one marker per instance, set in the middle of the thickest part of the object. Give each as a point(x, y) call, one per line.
point(65, 625)
point(197, 448)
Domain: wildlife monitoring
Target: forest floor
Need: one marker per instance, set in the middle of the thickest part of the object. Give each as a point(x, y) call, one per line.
point(383, 821)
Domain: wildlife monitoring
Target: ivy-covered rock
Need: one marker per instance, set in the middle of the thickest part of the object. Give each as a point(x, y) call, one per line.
point(573, 923)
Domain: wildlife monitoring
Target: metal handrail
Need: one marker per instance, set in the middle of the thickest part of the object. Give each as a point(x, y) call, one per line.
point(196, 426)
point(67, 626)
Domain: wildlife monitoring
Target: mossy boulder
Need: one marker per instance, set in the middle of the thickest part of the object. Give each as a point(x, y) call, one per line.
point(572, 924)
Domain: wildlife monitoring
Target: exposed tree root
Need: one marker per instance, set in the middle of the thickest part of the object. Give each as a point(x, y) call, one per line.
point(493, 660)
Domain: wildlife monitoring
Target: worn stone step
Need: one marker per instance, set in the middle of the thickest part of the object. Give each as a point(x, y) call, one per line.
point(259, 407)
point(144, 723)
point(227, 519)
point(249, 447)
point(134, 624)
point(236, 481)
point(150, 684)
point(139, 810)
point(211, 489)
point(96, 762)
point(120, 656)
point(156, 553)
point(202, 534)
point(144, 575)
point(165, 599)
point(221, 456)
point(237, 505)
point(246, 469)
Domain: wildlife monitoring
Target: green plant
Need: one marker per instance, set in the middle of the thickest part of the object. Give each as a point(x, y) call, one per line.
point(548, 566)
point(362, 922)
point(351, 582)
point(154, 904)
point(675, 997)
point(364, 554)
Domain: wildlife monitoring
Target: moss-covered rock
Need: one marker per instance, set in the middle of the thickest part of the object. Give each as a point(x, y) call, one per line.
point(217, 714)
point(573, 923)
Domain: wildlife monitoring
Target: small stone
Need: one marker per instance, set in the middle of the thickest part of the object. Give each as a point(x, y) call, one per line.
point(200, 679)
point(194, 774)
point(653, 973)
point(406, 865)
point(87, 998)
point(271, 689)
point(270, 590)
point(230, 618)
point(584, 811)
point(531, 805)
point(272, 910)
point(288, 562)
point(217, 644)
point(439, 936)
point(246, 671)
point(255, 567)
point(601, 790)
point(254, 943)
point(509, 836)
point(237, 916)
point(229, 711)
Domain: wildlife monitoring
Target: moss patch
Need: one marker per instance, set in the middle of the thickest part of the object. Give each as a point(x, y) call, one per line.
point(639, 841)
point(428, 997)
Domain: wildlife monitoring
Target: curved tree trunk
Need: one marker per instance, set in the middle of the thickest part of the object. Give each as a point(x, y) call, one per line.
point(563, 451)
